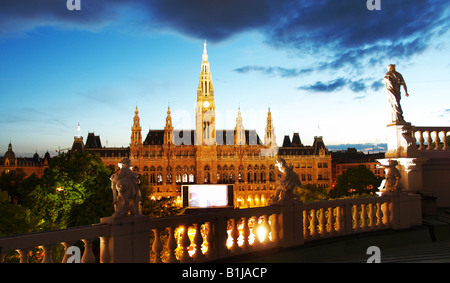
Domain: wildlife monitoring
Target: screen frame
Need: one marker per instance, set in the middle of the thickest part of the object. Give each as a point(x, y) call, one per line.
point(185, 195)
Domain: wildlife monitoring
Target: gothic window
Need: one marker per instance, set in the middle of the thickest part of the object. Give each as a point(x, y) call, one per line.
point(185, 178)
point(206, 179)
point(145, 168)
point(178, 178)
point(231, 177)
point(169, 179)
point(159, 178)
point(191, 178)
point(152, 178)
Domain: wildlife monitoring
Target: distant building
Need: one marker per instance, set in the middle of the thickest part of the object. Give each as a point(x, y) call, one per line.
point(342, 160)
point(29, 165)
point(169, 158)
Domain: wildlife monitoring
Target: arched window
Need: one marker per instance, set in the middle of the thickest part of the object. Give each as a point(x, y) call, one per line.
point(169, 178)
point(206, 177)
point(159, 178)
point(191, 178)
point(185, 178)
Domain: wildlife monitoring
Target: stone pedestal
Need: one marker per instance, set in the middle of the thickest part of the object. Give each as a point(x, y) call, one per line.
point(128, 241)
point(410, 171)
point(400, 141)
point(290, 220)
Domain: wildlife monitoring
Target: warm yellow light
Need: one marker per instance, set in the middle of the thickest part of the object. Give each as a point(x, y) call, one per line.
point(60, 189)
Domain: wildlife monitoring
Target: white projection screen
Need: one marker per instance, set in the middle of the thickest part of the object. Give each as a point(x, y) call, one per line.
point(204, 196)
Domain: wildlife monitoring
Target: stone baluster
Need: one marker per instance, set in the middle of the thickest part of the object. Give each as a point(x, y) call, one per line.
point(23, 255)
point(185, 243)
point(331, 221)
point(275, 228)
point(157, 246)
point(379, 215)
point(246, 234)
point(88, 254)
point(171, 246)
point(306, 223)
point(421, 140)
point(372, 215)
point(198, 241)
point(446, 147)
point(356, 218)
point(313, 223)
point(339, 227)
point(266, 227)
point(386, 214)
point(66, 246)
point(363, 217)
point(209, 239)
point(256, 242)
point(437, 140)
point(429, 140)
point(104, 250)
point(47, 254)
point(322, 223)
point(234, 235)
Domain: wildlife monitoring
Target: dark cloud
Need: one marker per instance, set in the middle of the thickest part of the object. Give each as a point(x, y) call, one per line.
point(357, 86)
point(330, 86)
point(348, 33)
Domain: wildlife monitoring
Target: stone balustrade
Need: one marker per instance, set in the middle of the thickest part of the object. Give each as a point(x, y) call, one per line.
point(327, 219)
point(45, 241)
point(432, 138)
point(216, 235)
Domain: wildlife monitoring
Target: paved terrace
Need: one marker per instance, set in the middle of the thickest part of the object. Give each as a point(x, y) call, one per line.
point(428, 243)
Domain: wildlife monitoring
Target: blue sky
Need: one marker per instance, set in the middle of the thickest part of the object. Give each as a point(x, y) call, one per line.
point(317, 64)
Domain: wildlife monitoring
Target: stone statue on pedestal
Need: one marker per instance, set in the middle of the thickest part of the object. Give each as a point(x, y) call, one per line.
point(393, 80)
point(125, 188)
point(392, 178)
point(287, 182)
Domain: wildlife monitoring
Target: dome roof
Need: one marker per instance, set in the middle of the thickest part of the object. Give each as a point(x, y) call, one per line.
point(10, 153)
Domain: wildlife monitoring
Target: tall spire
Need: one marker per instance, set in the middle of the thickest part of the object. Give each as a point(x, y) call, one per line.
point(136, 137)
point(269, 137)
point(168, 129)
point(205, 109)
point(205, 54)
point(239, 129)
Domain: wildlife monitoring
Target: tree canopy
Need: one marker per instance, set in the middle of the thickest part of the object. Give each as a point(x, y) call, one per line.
point(356, 181)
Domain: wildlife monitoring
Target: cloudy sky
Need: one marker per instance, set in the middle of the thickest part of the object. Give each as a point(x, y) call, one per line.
point(318, 65)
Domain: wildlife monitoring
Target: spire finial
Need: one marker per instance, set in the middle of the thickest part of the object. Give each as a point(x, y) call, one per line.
point(205, 54)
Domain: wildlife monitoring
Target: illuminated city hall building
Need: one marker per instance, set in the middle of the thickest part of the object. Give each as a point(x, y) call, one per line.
point(169, 158)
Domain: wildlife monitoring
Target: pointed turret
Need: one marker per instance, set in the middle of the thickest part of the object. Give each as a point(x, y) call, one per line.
point(136, 137)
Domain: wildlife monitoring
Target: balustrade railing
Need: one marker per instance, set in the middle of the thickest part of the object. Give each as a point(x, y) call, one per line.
point(45, 241)
point(217, 235)
point(327, 219)
point(431, 138)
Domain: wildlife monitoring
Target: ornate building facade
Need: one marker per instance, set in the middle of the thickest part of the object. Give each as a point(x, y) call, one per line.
point(28, 165)
point(170, 157)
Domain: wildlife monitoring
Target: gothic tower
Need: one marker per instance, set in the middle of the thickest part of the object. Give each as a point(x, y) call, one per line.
point(205, 120)
point(269, 137)
point(168, 129)
point(136, 137)
point(239, 130)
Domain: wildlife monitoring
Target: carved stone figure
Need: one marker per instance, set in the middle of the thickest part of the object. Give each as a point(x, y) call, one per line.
point(125, 188)
point(393, 80)
point(392, 177)
point(287, 182)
